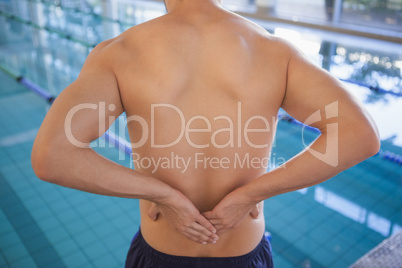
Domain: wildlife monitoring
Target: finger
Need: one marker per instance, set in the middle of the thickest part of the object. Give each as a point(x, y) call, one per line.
point(220, 228)
point(255, 212)
point(206, 223)
point(194, 238)
point(200, 237)
point(202, 230)
point(216, 222)
point(209, 215)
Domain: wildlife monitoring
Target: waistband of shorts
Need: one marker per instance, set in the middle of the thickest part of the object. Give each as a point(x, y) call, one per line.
point(185, 260)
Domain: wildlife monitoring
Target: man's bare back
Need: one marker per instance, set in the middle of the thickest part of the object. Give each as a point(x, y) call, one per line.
point(201, 88)
point(219, 71)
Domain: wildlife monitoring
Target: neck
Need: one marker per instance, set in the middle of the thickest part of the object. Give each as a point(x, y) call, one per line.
point(175, 4)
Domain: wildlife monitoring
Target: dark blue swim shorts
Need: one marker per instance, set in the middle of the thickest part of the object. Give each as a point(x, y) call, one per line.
point(142, 255)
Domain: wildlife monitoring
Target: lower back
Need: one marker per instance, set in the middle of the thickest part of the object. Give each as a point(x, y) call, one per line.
point(236, 242)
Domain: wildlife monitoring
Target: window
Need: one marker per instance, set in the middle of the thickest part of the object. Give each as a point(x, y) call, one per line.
point(386, 14)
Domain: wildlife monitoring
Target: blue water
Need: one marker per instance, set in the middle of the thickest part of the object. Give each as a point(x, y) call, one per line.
point(43, 225)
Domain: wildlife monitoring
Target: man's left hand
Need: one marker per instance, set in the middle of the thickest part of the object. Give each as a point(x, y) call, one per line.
point(231, 210)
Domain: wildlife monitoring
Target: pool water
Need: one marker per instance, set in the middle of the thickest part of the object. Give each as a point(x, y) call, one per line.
point(328, 225)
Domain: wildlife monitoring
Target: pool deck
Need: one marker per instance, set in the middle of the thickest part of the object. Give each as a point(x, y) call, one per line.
point(386, 254)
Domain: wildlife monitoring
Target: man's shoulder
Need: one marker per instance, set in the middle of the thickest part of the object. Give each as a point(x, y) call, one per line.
point(146, 28)
point(129, 38)
point(139, 36)
point(258, 33)
point(157, 32)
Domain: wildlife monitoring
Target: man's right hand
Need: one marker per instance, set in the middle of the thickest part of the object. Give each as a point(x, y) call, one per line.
point(185, 218)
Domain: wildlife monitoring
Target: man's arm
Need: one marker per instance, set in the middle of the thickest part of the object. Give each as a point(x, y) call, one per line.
point(81, 114)
point(348, 133)
point(348, 137)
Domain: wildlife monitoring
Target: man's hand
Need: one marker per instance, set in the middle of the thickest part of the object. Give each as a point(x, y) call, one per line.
point(184, 217)
point(231, 210)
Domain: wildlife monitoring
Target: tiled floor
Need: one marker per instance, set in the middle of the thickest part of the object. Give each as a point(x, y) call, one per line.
point(43, 225)
point(332, 224)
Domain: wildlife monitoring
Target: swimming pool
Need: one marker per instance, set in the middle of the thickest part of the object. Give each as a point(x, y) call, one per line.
point(43, 225)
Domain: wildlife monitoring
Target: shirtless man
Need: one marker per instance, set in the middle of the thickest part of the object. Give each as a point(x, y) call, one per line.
point(205, 85)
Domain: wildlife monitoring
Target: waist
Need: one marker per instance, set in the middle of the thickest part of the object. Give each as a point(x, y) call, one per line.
point(236, 242)
point(260, 252)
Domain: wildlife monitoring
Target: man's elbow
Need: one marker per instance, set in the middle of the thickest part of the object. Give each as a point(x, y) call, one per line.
point(369, 139)
point(41, 160)
point(375, 145)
